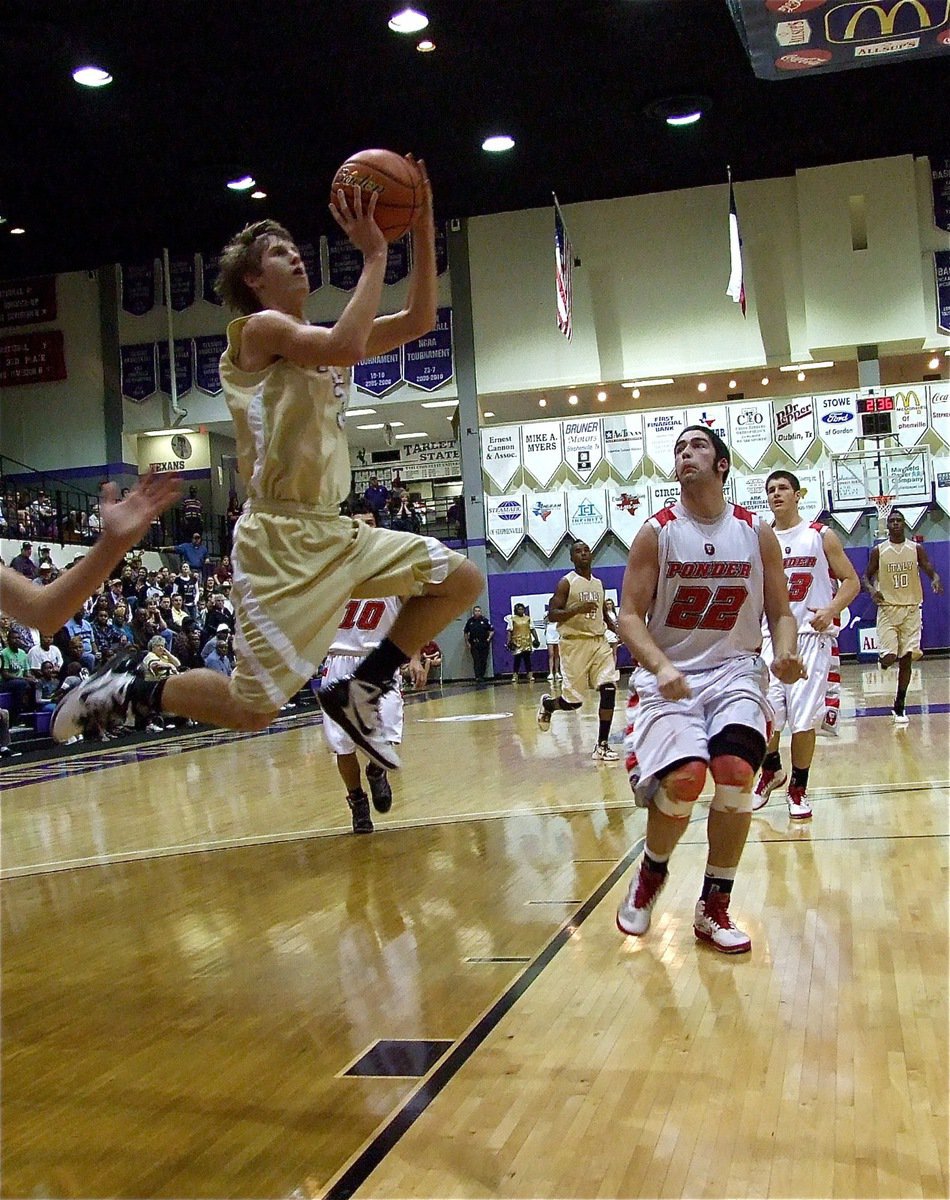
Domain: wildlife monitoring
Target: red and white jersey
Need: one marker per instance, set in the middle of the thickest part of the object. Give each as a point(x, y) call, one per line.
point(364, 625)
point(807, 572)
point(709, 596)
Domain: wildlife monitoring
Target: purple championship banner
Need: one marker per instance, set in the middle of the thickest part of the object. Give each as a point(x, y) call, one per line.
point(208, 351)
point(940, 185)
point(183, 369)
point(139, 376)
point(786, 38)
point(428, 360)
point(209, 275)
point(441, 248)
point(310, 253)
point(28, 301)
point(345, 262)
point(942, 274)
point(378, 375)
point(397, 261)
point(182, 281)
point(138, 288)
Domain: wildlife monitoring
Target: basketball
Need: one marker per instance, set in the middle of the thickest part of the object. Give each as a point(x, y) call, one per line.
point(397, 183)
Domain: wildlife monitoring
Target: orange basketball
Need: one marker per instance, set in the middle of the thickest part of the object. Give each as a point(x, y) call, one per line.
point(396, 181)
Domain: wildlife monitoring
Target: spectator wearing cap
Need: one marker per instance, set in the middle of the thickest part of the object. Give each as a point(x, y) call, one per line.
point(194, 552)
point(222, 631)
point(44, 574)
point(23, 562)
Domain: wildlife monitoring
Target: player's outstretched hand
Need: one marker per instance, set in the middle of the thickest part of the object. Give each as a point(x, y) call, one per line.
point(672, 684)
point(789, 669)
point(125, 522)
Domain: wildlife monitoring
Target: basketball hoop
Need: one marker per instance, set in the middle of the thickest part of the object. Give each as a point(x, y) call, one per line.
point(883, 504)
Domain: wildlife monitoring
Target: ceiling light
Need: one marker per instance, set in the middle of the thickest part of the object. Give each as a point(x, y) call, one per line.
point(934, 364)
point(639, 383)
point(408, 21)
point(765, 381)
point(686, 119)
point(732, 383)
point(601, 396)
point(258, 195)
point(678, 110)
point(700, 387)
point(810, 366)
point(489, 414)
point(498, 143)
point(381, 425)
point(17, 229)
point(166, 432)
point(402, 437)
point(242, 183)
point(572, 399)
point(426, 46)
point(801, 376)
point(635, 393)
point(361, 412)
point(92, 77)
point(542, 403)
point(439, 403)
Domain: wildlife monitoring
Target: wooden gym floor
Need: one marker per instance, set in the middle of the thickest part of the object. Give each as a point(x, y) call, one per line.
point(196, 952)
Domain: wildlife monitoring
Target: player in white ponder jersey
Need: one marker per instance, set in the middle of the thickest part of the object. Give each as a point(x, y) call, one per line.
point(814, 561)
point(699, 576)
point(362, 627)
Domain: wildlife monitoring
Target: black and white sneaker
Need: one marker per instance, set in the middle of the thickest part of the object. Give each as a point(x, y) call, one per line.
point(354, 705)
point(359, 807)
point(379, 788)
point(98, 700)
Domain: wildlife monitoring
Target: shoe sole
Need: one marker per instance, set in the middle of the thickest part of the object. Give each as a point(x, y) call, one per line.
point(799, 816)
point(708, 939)
point(391, 763)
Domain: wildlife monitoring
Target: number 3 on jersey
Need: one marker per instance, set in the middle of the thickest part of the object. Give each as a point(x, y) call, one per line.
point(697, 607)
point(362, 614)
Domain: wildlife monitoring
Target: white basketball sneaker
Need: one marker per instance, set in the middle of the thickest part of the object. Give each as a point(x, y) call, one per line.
point(713, 924)
point(636, 908)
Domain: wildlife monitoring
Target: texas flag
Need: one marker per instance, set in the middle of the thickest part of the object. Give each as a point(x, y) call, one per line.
point(736, 288)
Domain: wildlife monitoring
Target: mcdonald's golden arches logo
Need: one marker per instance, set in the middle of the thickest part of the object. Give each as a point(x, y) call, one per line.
point(907, 401)
point(870, 22)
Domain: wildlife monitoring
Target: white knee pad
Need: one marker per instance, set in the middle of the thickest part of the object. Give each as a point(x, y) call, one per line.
point(729, 799)
point(679, 810)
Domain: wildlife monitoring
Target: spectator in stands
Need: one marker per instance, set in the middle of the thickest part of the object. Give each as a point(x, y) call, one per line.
point(17, 680)
point(104, 632)
point(128, 581)
point(376, 495)
point(225, 590)
point(72, 656)
point(158, 663)
point(216, 616)
point(430, 656)
point(41, 513)
point(47, 687)
point(23, 562)
point(93, 522)
point(44, 652)
point(208, 589)
point(223, 571)
point(192, 513)
point(186, 585)
point(231, 518)
point(187, 647)
point(218, 655)
point(80, 626)
point(45, 574)
point(455, 518)
point(193, 552)
point(147, 623)
point(123, 626)
point(176, 614)
point(115, 594)
point(402, 514)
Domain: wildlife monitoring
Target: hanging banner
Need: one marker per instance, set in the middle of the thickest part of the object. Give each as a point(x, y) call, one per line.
point(139, 377)
point(501, 454)
point(505, 523)
point(750, 430)
point(183, 377)
point(441, 248)
point(583, 445)
point(29, 358)
point(209, 275)
point(542, 450)
point(660, 431)
point(813, 501)
point(910, 415)
point(28, 301)
point(912, 516)
point(749, 492)
point(848, 520)
point(588, 515)
point(940, 183)
point(208, 351)
point(623, 443)
point(397, 261)
point(344, 261)
point(427, 361)
point(380, 374)
point(310, 253)
point(713, 417)
point(547, 520)
point(942, 279)
point(938, 399)
point(795, 425)
point(174, 452)
point(941, 470)
point(662, 495)
point(138, 288)
point(182, 280)
point(627, 510)
point(837, 420)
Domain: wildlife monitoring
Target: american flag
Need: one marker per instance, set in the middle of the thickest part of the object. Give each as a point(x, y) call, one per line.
point(736, 288)
point(564, 273)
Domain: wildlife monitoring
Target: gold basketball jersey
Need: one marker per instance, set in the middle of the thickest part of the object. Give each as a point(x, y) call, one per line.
point(898, 576)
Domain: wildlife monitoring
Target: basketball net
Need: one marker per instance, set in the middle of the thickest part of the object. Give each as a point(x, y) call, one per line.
point(883, 504)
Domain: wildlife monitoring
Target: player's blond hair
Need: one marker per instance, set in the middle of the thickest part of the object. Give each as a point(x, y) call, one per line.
point(242, 256)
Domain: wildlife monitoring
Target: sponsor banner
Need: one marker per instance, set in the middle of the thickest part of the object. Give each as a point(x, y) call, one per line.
point(310, 253)
point(795, 425)
point(380, 374)
point(938, 401)
point(910, 415)
point(547, 520)
point(174, 452)
point(209, 275)
point(627, 510)
point(588, 515)
point(783, 37)
point(912, 516)
point(441, 248)
point(749, 492)
point(345, 263)
point(28, 301)
point(182, 281)
point(662, 495)
point(941, 469)
point(942, 279)
point(836, 416)
point(501, 454)
point(713, 417)
point(183, 377)
point(750, 430)
point(427, 361)
point(623, 443)
point(208, 351)
point(138, 288)
point(583, 445)
point(397, 261)
point(139, 376)
point(660, 431)
point(940, 181)
point(445, 454)
point(813, 501)
point(542, 450)
point(848, 520)
point(29, 358)
point(505, 523)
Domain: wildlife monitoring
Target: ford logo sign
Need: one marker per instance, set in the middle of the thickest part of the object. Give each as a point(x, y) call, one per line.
point(837, 418)
point(509, 510)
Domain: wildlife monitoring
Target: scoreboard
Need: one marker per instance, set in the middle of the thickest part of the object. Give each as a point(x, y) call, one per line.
point(877, 416)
